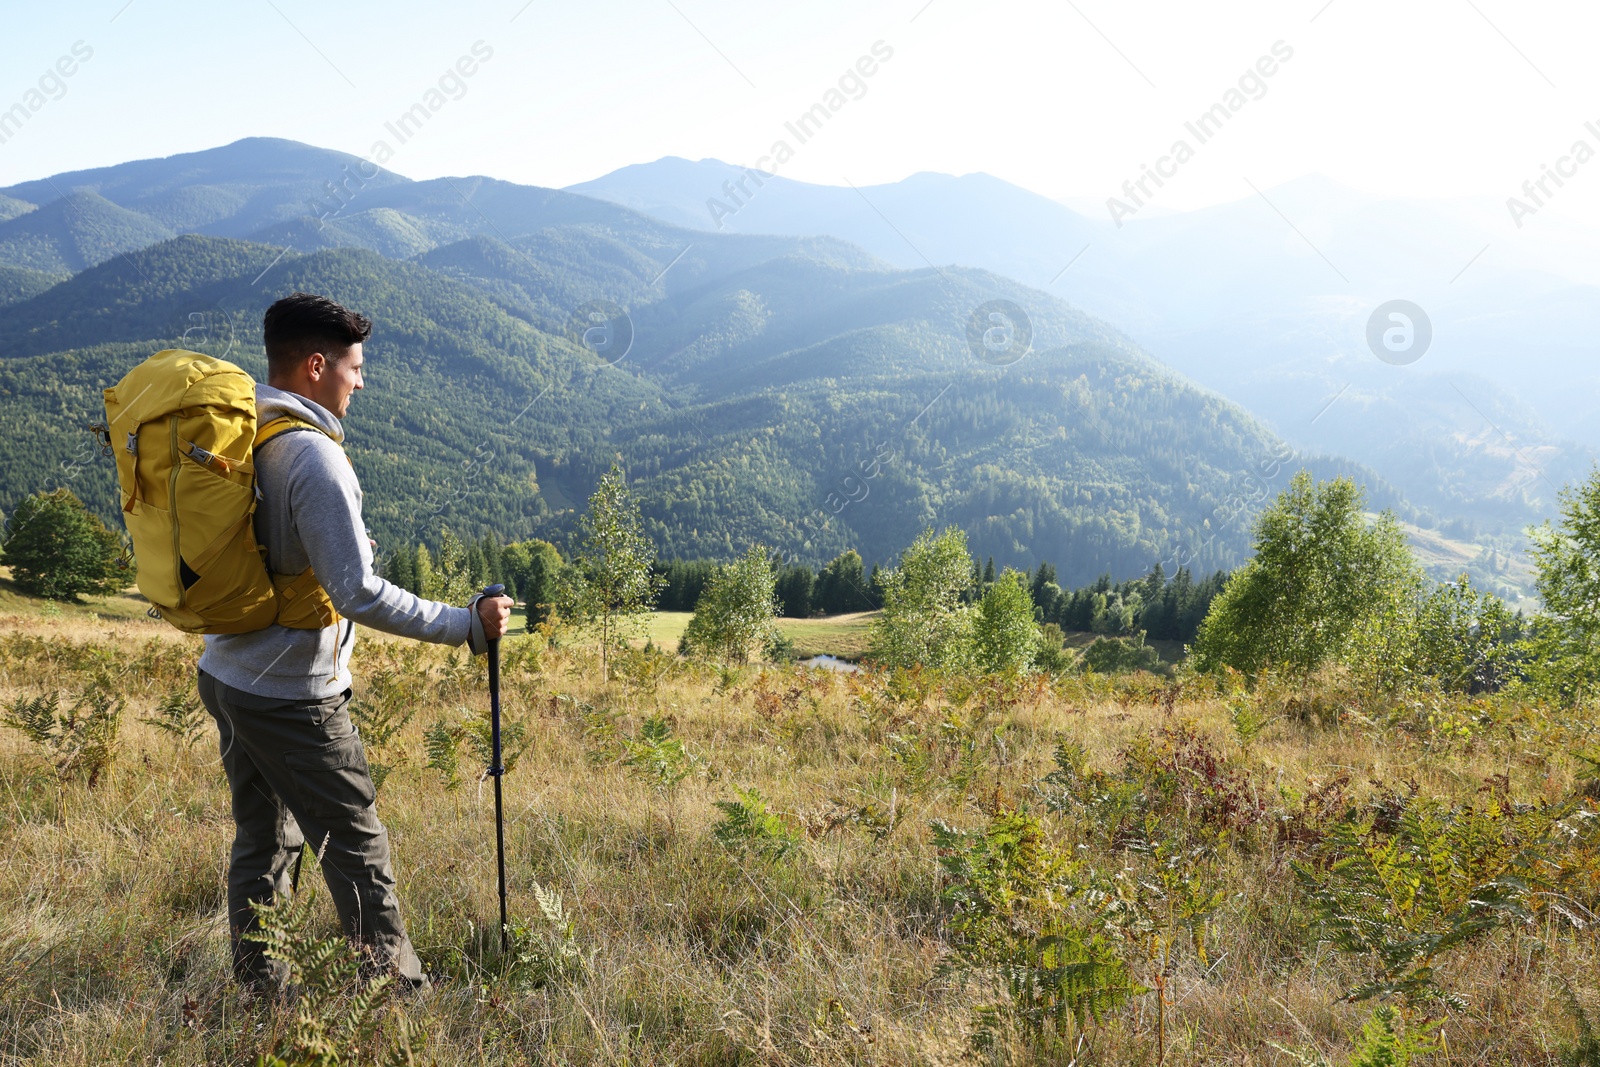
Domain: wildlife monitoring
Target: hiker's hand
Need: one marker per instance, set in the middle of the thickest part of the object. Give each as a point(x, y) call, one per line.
point(495, 611)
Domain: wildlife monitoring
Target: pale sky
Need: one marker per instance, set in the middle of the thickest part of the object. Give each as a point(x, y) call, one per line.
point(1438, 98)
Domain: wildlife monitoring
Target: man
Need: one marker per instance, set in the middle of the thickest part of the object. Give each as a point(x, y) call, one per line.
point(294, 760)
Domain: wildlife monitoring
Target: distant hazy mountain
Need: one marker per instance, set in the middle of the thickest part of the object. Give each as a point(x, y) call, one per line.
point(75, 231)
point(229, 191)
point(10, 208)
point(926, 219)
point(808, 406)
point(1265, 299)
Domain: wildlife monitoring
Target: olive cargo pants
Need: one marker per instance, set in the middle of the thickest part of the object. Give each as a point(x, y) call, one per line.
point(298, 774)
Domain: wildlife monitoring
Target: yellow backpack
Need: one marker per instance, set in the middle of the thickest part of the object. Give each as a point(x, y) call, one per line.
point(183, 427)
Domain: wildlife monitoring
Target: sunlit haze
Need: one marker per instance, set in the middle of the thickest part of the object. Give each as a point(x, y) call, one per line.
point(1436, 99)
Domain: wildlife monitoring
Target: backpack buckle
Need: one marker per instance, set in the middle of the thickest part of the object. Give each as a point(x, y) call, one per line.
point(133, 442)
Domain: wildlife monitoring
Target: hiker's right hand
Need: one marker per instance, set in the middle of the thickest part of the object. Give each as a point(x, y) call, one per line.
point(495, 611)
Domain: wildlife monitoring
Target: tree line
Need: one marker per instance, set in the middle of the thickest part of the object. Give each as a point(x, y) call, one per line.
point(1165, 608)
point(58, 549)
point(1325, 588)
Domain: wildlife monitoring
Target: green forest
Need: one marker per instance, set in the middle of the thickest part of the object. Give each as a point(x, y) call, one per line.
point(474, 420)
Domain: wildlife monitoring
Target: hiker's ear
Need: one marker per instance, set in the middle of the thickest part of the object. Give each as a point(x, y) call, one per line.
point(316, 363)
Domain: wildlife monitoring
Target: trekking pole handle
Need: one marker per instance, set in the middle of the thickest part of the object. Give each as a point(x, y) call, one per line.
point(496, 590)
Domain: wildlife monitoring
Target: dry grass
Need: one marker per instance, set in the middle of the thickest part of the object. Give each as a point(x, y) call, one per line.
point(114, 944)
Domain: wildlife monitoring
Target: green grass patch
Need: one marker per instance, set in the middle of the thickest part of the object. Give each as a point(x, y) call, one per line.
point(128, 604)
point(844, 636)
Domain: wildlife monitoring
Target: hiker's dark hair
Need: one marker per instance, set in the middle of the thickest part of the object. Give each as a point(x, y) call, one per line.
point(302, 323)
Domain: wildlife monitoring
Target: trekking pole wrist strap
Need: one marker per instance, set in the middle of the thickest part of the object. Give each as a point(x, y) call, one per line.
point(477, 640)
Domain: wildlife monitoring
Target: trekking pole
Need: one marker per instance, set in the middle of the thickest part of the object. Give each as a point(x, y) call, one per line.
point(496, 770)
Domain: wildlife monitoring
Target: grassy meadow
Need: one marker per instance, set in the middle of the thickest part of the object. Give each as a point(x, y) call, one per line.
point(890, 895)
point(844, 636)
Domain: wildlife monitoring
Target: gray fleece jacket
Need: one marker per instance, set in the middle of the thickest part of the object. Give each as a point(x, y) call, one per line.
point(309, 514)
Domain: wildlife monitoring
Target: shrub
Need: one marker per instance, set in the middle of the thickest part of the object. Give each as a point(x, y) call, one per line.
point(1120, 655)
point(1467, 640)
point(735, 613)
point(1321, 577)
point(1050, 653)
point(1566, 642)
point(923, 621)
point(58, 550)
point(1006, 636)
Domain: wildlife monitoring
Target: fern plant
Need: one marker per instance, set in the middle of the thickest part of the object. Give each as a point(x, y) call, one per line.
point(443, 742)
point(658, 757)
point(181, 715)
point(601, 731)
point(1407, 894)
point(544, 951)
point(1248, 720)
point(459, 675)
point(80, 742)
point(1173, 774)
point(338, 1017)
point(381, 716)
point(1384, 1041)
point(1025, 913)
point(1586, 1051)
point(747, 825)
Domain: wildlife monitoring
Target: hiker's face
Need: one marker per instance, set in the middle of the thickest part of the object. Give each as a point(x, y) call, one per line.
point(336, 381)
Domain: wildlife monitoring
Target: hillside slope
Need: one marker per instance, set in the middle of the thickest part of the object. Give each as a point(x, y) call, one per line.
point(794, 391)
point(807, 405)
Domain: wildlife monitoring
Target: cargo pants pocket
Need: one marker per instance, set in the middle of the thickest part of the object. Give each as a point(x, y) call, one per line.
point(332, 779)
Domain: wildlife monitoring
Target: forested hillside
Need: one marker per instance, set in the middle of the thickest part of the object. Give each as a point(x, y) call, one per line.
point(788, 391)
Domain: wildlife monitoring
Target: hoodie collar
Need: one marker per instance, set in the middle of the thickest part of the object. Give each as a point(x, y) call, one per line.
point(272, 402)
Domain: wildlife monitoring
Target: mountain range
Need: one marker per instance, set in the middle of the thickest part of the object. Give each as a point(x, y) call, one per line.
point(801, 390)
point(1266, 300)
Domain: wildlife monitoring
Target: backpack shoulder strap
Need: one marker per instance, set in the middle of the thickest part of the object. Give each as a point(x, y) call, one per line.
point(283, 424)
